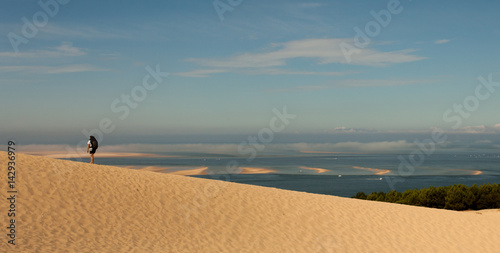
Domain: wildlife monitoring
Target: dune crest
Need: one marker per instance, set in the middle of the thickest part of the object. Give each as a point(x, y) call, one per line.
point(69, 206)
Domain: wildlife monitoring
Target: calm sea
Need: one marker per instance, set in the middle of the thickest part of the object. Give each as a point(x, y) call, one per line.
point(344, 174)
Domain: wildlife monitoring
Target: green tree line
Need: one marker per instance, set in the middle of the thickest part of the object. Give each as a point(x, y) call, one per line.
point(456, 197)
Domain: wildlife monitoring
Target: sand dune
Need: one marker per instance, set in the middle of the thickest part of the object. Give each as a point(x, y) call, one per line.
point(191, 172)
point(471, 172)
point(255, 170)
point(200, 170)
point(176, 170)
point(376, 171)
point(318, 170)
point(66, 206)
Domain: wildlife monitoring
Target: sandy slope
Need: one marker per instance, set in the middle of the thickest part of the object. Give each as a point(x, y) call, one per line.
point(65, 206)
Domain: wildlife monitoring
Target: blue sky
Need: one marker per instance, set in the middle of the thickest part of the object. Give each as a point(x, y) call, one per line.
point(226, 76)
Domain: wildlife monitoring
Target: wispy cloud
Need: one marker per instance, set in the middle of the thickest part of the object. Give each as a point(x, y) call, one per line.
point(136, 31)
point(84, 32)
point(372, 83)
point(466, 130)
point(200, 72)
point(275, 71)
point(66, 49)
point(324, 51)
point(52, 69)
point(29, 61)
point(350, 84)
point(310, 5)
point(443, 41)
point(479, 129)
point(353, 146)
point(351, 130)
point(75, 68)
point(266, 71)
point(385, 43)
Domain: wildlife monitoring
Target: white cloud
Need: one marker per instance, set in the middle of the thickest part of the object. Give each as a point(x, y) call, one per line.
point(472, 129)
point(352, 130)
point(74, 68)
point(266, 71)
point(81, 32)
point(351, 83)
point(371, 83)
point(52, 69)
point(66, 49)
point(310, 5)
point(275, 71)
point(200, 72)
point(324, 51)
point(483, 142)
point(351, 146)
point(385, 43)
point(442, 41)
point(478, 129)
point(344, 130)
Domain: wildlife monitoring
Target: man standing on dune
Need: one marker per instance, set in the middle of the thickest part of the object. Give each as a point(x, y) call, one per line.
point(92, 147)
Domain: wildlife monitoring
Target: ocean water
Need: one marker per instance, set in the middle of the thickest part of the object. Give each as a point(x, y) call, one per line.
point(343, 175)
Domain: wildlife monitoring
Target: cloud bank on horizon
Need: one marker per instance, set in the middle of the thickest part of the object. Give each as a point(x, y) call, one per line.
point(300, 148)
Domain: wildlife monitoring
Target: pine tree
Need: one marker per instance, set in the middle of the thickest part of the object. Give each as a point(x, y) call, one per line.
point(459, 197)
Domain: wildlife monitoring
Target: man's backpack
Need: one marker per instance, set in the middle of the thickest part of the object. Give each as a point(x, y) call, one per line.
point(94, 143)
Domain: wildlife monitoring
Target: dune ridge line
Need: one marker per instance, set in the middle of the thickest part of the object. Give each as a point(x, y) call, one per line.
point(67, 206)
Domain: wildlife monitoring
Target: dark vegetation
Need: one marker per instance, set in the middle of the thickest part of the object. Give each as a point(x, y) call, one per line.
point(456, 197)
